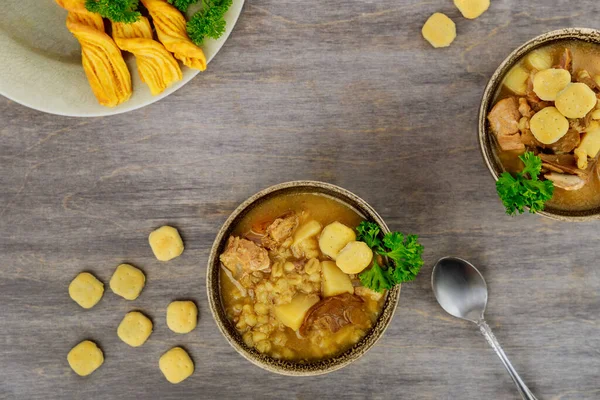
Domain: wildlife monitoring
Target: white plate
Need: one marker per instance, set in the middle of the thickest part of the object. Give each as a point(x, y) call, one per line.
point(41, 62)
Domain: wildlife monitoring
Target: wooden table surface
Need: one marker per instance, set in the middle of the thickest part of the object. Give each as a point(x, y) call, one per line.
point(341, 91)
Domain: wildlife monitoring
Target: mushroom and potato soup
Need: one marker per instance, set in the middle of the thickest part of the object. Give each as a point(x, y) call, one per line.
point(549, 105)
point(288, 278)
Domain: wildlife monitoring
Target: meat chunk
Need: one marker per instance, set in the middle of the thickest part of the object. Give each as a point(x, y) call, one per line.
point(567, 143)
point(280, 230)
point(584, 77)
point(566, 61)
point(333, 313)
point(242, 256)
point(540, 105)
point(581, 125)
point(524, 108)
point(504, 122)
point(529, 140)
point(504, 117)
point(511, 142)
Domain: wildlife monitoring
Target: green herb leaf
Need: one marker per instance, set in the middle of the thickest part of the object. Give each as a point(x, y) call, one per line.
point(406, 253)
point(208, 22)
point(182, 5)
point(518, 191)
point(368, 232)
point(376, 279)
point(115, 10)
point(533, 165)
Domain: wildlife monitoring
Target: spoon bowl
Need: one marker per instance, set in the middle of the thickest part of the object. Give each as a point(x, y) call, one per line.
point(459, 288)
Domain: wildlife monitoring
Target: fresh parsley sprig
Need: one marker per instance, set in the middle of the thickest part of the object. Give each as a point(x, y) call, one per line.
point(182, 5)
point(209, 21)
point(115, 10)
point(404, 252)
point(376, 278)
point(524, 189)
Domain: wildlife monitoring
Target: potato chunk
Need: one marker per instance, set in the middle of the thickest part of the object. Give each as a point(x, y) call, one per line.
point(85, 358)
point(307, 230)
point(182, 316)
point(516, 80)
point(596, 114)
point(127, 281)
point(334, 237)
point(589, 146)
point(292, 314)
point(166, 243)
point(576, 100)
point(539, 59)
point(548, 125)
point(86, 290)
point(472, 9)
point(439, 30)
point(354, 257)
point(308, 248)
point(547, 83)
point(335, 281)
point(176, 365)
point(134, 329)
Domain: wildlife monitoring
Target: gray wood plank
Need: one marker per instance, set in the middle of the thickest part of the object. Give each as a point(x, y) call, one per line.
point(341, 91)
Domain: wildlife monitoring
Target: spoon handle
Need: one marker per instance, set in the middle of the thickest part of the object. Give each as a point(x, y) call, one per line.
point(487, 333)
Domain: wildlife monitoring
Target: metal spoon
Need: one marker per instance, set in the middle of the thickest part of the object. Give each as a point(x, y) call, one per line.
point(461, 290)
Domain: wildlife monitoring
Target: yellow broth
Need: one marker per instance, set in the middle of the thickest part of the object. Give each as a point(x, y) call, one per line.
point(585, 56)
point(253, 315)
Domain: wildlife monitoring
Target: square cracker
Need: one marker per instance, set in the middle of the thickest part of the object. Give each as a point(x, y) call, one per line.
point(127, 281)
point(176, 365)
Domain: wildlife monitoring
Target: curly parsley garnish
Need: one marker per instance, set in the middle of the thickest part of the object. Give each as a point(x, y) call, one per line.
point(182, 5)
point(208, 22)
point(115, 10)
point(404, 252)
point(376, 279)
point(524, 189)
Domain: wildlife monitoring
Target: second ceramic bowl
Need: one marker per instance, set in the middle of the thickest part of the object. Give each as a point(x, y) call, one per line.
point(486, 141)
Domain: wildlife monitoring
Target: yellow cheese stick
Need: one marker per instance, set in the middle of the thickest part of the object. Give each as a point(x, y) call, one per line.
point(102, 60)
point(156, 66)
point(171, 29)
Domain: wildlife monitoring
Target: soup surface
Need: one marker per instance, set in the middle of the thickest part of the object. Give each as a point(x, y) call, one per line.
point(301, 307)
point(581, 188)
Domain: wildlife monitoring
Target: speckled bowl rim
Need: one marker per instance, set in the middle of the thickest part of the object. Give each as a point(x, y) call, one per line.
point(228, 330)
point(486, 143)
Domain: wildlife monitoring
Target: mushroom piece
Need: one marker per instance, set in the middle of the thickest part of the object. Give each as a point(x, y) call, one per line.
point(563, 164)
point(566, 182)
point(333, 313)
